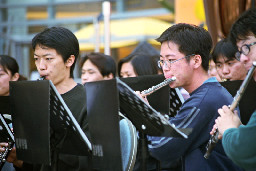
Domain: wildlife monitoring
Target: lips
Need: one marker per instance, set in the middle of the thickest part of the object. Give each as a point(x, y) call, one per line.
point(43, 76)
point(168, 76)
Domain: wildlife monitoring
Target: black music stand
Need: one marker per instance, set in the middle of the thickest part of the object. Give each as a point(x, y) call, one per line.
point(39, 116)
point(103, 119)
point(166, 100)
point(247, 103)
point(159, 100)
point(143, 116)
point(102, 106)
point(146, 119)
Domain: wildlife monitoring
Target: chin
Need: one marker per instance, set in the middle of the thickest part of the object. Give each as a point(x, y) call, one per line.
point(172, 85)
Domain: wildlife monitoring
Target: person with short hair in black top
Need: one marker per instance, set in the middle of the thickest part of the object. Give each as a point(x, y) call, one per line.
point(56, 50)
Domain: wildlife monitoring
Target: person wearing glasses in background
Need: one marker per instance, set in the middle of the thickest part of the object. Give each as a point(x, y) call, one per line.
point(239, 140)
point(228, 67)
point(184, 54)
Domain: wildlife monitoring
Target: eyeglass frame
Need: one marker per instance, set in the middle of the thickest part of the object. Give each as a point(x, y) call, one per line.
point(238, 53)
point(171, 62)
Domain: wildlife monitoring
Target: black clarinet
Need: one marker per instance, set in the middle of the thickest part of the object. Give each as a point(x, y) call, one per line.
point(10, 139)
point(214, 138)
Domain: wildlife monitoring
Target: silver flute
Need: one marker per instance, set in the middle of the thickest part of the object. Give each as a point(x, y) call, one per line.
point(157, 87)
point(214, 138)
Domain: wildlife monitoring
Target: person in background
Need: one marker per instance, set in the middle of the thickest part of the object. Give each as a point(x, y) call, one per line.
point(184, 53)
point(212, 70)
point(133, 65)
point(97, 66)
point(238, 140)
point(137, 64)
point(227, 66)
point(9, 71)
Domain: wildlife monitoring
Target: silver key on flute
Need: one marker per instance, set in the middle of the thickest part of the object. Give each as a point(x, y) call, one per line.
point(157, 87)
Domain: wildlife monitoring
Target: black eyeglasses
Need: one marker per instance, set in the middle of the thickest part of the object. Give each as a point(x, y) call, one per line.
point(245, 49)
point(168, 62)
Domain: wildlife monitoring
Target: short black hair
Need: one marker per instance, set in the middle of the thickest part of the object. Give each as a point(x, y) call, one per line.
point(243, 26)
point(191, 39)
point(224, 48)
point(62, 40)
point(105, 63)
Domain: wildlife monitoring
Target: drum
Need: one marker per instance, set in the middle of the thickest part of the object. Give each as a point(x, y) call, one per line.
point(128, 136)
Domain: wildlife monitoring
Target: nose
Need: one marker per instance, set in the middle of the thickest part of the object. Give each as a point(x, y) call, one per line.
point(84, 78)
point(41, 64)
point(225, 69)
point(165, 66)
point(244, 59)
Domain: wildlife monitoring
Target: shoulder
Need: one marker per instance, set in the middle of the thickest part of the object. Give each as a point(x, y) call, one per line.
point(78, 92)
point(211, 90)
point(208, 95)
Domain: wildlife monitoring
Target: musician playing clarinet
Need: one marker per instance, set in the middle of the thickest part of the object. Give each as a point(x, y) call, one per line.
point(239, 140)
point(184, 54)
point(56, 50)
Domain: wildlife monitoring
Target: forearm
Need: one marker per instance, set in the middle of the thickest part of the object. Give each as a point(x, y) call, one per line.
point(165, 149)
point(239, 145)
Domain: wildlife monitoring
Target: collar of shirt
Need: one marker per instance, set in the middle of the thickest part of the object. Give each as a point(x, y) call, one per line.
point(212, 79)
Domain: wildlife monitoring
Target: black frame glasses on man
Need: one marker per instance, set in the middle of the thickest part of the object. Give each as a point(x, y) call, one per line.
point(160, 63)
point(245, 49)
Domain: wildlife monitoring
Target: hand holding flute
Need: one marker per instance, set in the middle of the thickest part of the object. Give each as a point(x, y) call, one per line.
point(226, 120)
point(230, 117)
point(151, 90)
point(157, 87)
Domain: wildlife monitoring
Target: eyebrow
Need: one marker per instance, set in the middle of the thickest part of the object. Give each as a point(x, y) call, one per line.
point(88, 69)
point(168, 55)
point(226, 61)
point(48, 54)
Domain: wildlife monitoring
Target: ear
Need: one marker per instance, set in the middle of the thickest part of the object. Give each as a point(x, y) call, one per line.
point(70, 61)
point(197, 61)
point(109, 76)
point(15, 77)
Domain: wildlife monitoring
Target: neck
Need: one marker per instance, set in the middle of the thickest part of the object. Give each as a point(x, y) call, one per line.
point(196, 82)
point(66, 85)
